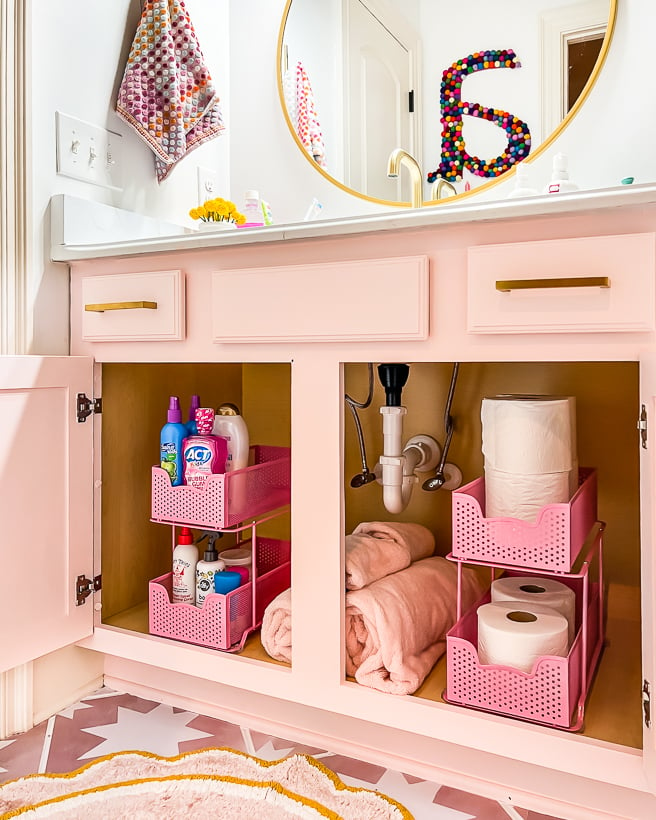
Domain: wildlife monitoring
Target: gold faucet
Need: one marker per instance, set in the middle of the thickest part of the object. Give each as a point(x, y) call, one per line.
point(400, 157)
point(438, 186)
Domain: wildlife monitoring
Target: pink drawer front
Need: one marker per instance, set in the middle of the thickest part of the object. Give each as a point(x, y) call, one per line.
point(588, 284)
point(364, 300)
point(133, 307)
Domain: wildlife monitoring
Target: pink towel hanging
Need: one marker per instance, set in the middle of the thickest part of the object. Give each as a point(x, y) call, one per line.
point(308, 127)
point(167, 94)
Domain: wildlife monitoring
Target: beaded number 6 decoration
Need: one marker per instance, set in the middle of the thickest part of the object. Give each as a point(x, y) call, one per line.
point(454, 154)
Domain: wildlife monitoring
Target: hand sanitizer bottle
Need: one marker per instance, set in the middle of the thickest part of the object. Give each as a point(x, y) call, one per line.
point(560, 181)
point(253, 210)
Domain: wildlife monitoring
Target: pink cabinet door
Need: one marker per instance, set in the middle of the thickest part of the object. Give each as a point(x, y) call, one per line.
point(46, 505)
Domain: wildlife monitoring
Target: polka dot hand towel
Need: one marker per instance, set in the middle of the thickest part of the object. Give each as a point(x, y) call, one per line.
point(167, 94)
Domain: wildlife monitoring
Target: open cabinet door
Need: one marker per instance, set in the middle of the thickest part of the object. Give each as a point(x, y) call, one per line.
point(46, 505)
point(647, 411)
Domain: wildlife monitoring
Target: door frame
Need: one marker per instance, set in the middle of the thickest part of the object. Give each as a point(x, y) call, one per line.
point(15, 173)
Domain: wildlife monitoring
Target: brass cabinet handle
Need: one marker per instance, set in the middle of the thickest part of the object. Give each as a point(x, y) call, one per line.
point(102, 307)
point(506, 285)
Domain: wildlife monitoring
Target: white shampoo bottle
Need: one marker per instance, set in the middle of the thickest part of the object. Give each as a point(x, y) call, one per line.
point(231, 425)
point(185, 558)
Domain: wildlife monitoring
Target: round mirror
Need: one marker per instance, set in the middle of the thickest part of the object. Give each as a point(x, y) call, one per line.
point(466, 92)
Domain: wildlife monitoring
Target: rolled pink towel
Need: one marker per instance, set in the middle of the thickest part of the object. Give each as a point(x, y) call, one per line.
point(276, 633)
point(396, 627)
point(378, 548)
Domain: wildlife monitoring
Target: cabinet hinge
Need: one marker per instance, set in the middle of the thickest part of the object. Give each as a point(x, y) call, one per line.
point(642, 426)
point(85, 586)
point(411, 102)
point(646, 703)
point(87, 406)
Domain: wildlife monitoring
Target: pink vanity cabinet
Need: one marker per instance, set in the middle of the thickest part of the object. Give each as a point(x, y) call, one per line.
point(283, 325)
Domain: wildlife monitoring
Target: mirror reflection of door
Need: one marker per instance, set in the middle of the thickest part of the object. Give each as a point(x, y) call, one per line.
point(378, 83)
point(582, 55)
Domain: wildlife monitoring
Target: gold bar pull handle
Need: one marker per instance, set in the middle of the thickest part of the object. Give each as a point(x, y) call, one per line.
point(103, 306)
point(506, 285)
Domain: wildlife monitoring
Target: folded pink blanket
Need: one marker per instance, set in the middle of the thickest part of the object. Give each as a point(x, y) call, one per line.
point(276, 633)
point(396, 627)
point(377, 548)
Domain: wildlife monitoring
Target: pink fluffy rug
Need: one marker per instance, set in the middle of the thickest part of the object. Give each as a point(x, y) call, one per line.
point(206, 784)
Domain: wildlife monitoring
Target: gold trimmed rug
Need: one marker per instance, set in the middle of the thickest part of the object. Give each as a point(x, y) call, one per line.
point(209, 783)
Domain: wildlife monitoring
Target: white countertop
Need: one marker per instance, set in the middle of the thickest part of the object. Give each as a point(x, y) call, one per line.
point(395, 220)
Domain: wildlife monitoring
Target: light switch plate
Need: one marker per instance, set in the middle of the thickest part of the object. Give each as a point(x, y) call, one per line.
point(208, 184)
point(88, 152)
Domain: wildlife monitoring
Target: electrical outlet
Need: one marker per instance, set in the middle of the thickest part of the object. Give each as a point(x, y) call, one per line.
point(208, 184)
point(88, 152)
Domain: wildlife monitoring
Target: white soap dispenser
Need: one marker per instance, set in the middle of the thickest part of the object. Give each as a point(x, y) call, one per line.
point(560, 181)
point(522, 187)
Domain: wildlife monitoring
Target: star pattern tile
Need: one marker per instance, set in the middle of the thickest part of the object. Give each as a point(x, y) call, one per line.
point(109, 721)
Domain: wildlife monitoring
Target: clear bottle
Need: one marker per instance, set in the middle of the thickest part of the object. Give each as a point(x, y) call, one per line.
point(185, 558)
point(205, 572)
point(253, 210)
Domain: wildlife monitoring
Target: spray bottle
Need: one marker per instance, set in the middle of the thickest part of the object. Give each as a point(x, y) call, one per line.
point(170, 442)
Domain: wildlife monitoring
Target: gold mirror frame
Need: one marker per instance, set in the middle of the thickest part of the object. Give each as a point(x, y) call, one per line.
point(601, 59)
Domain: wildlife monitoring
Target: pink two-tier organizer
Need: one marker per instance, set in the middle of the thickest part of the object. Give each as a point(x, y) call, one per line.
point(230, 502)
point(554, 692)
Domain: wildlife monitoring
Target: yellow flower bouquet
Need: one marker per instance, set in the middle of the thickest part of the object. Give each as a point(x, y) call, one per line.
point(218, 210)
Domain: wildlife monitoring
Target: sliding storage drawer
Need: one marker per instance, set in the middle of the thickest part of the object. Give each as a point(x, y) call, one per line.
point(596, 283)
point(134, 307)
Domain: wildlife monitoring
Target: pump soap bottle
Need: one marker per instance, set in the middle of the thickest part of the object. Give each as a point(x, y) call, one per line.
point(170, 442)
point(560, 181)
point(185, 558)
point(205, 572)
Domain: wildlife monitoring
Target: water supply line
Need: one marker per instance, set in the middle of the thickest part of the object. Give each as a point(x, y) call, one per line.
point(366, 476)
point(447, 476)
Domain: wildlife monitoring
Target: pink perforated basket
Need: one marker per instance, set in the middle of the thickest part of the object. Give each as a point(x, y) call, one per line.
point(223, 620)
point(227, 499)
point(552, 542)
point(554, 692)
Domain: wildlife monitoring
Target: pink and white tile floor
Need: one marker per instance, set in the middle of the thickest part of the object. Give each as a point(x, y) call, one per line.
point(109, 721)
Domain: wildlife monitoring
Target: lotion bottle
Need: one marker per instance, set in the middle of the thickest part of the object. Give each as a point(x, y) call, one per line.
point(170, 442)
point(185, 558)
point(206, 569)
point(230, 424)
point(522, 183)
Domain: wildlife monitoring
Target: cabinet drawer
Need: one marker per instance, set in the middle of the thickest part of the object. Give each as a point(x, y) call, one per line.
point(379, 299)
point(133, 307)
point(596, 283)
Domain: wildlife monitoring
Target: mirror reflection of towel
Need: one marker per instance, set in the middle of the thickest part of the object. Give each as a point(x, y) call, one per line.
point(167, 94)
point(308, 127)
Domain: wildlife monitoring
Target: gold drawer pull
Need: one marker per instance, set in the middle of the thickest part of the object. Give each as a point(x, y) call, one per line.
point(506, 285)
point(102, 307)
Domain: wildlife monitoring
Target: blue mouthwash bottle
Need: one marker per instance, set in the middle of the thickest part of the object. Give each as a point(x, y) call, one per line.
point(170, 442)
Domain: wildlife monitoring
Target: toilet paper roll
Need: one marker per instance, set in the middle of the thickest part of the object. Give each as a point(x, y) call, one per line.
point(517, 635)
point(529, 434)
point(510, 495)
point(542, 591)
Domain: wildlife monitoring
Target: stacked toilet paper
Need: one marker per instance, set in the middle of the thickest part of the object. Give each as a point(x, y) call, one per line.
point(526, 619)
point(529, 449)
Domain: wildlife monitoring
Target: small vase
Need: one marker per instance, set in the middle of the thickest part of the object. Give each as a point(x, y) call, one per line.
point(216, 226)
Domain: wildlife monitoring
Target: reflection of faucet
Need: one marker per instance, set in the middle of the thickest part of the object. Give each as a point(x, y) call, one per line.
point(400, 157)
point(438, 186)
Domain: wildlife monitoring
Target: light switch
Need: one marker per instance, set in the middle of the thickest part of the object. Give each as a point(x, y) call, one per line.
point(88, 152)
